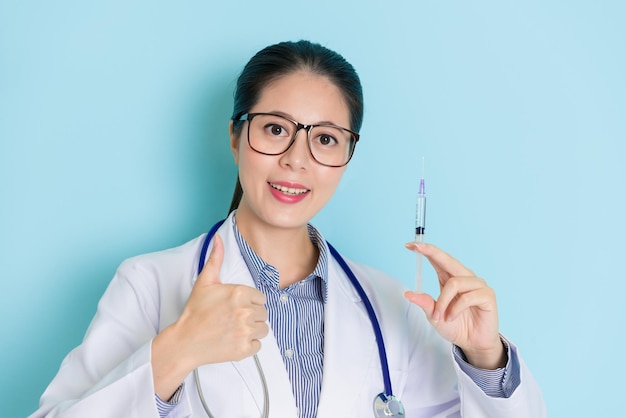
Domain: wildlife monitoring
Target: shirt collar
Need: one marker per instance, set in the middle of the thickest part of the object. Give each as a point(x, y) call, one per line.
point(257, 266)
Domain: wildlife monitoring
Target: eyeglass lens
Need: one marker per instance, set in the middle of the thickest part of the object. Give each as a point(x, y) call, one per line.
point(273, 134)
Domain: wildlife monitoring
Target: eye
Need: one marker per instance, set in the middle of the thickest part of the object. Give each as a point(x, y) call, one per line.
point(275, 129)
point(325, 139)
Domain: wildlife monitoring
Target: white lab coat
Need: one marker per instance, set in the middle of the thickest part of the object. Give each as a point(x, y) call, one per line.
point(110, 375)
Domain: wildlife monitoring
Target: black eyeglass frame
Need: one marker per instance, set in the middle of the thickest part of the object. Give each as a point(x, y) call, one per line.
point(249, 116)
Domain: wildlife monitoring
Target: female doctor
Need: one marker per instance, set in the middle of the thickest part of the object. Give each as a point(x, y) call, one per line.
point(261, 318)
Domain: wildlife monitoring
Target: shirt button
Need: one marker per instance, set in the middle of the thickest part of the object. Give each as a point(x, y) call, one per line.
point(284, 297)
point(289, 353)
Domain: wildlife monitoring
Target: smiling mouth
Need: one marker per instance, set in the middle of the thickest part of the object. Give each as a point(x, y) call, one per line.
point(288, 190)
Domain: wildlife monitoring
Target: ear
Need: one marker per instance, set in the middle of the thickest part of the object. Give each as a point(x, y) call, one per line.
point(234, 142)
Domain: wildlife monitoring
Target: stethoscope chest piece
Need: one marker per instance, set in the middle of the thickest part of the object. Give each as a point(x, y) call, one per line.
point(387, 406)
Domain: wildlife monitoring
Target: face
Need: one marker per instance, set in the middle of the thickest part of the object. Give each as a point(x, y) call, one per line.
point(287, 190)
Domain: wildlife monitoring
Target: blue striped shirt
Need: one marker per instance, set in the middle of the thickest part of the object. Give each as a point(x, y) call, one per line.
point(498, 383)
point(296, 315)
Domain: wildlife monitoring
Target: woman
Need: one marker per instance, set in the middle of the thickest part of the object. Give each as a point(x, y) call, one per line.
point(272, 321)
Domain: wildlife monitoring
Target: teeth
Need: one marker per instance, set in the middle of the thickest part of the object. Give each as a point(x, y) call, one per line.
point(288, 190)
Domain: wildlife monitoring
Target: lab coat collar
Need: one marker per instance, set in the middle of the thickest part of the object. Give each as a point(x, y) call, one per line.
point(349, 347)
point(235, 271)
point(348, 351)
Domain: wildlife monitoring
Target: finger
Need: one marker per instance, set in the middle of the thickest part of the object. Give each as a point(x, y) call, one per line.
point(482, 298)
point(255, 347)
point(257, 297)
point(211, 272)
point(440, 260)
point(245, 350)
point(260, 331)
point(452, 290)
point(442, 275)
point(259, 313)
point(423, 300)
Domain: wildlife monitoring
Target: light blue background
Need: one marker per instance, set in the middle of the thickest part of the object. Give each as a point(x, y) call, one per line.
point(113, 129)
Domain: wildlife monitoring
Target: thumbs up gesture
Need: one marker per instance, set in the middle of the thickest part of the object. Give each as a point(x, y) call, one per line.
point(220, 322)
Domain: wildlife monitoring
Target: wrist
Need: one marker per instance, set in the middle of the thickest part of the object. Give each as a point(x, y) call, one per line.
point(169, 365)
point(488, 359)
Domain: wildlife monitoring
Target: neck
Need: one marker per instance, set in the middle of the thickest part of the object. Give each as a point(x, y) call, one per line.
point(289, 250)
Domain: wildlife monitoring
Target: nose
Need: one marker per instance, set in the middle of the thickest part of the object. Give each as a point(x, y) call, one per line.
point(298, 155)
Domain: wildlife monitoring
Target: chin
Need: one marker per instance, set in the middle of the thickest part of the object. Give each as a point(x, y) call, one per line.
point(279, 215)
point(288, 221)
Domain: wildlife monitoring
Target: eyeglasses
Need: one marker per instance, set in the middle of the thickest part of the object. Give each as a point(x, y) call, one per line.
point(272, 134)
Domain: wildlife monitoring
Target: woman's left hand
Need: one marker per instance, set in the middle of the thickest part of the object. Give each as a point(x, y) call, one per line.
point(466, 313)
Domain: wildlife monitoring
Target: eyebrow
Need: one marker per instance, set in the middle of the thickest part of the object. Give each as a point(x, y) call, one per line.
point(323, 122)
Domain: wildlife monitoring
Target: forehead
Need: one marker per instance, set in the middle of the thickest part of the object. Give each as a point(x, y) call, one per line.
point(308, 98)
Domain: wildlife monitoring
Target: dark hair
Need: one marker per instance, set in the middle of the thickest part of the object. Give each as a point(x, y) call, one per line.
point(284, 58)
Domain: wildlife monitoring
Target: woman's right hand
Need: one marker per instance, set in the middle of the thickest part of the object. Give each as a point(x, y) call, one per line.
point(220, 322)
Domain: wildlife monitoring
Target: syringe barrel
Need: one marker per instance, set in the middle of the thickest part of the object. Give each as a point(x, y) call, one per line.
point(420, 215)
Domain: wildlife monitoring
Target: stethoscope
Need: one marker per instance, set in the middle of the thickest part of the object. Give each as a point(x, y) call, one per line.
point(385, 404)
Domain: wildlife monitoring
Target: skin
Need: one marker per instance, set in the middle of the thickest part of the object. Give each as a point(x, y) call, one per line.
point(277, 231)
point(224, 322)
point(466, 312)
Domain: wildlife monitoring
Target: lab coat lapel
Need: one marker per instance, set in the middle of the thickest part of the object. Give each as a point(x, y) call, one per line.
point(349, 347)
point(282, 402)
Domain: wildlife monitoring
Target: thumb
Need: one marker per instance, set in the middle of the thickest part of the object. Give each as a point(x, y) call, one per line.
point(211, 272)
point(423, 300)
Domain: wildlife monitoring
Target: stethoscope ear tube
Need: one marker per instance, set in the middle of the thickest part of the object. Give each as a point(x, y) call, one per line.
point(205, 245)
point(382, 353)
point(385, 404)
point(266, 404)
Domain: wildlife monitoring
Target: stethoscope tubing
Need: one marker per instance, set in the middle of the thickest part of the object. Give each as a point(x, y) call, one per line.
point(205, 245)
point(382, 352)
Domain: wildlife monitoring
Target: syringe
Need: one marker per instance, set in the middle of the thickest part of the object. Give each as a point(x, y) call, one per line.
point(420, 226)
